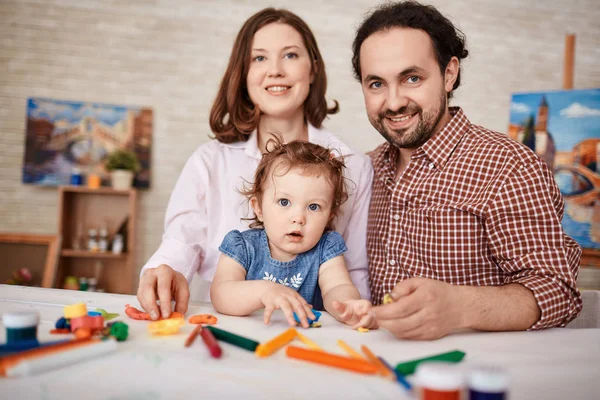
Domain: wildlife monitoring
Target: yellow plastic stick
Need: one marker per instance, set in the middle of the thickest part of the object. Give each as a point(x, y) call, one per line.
point(266, 349)
point(351, 352)
point(308, 342)
point(376, 362)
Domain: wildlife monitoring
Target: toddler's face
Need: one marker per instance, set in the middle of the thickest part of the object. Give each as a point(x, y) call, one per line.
point(295, 210)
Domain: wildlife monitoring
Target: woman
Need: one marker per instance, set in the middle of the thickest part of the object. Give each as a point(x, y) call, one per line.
point(275, 83)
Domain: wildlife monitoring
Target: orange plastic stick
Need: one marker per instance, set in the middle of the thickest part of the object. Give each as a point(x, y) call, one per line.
point(333, 360)
point(266, 349)
point(13, 359)
point(193, 336)
point(376, 362)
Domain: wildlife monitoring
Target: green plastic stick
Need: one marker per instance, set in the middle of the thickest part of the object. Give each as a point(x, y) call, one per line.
point(409, 367)
point(233, 339)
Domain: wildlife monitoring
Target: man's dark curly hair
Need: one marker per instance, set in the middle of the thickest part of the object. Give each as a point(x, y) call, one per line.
point(448, 41)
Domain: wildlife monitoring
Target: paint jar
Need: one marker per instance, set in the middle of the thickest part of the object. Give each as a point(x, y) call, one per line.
point(103, 241)
point(487, 383)
point(76, 177)
point(71, 283)
point(93, 181)
point(83, 283)
point(117, 245)
point(439, 381)
point(20, 326)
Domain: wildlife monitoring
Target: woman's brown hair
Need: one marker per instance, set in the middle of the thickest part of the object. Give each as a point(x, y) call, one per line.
point(311, 159)
point(233, 116)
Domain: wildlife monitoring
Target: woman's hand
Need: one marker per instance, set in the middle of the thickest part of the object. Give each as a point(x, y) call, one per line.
point(355, 313)
point(289, 301)
point(164, 284)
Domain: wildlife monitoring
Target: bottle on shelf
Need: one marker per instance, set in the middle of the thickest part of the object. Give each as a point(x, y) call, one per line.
point(117, 244)
point(92, 284)
point(83, 283)
point(103, 241)
point(92, 240)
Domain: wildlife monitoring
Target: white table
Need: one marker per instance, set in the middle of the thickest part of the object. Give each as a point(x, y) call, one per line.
point(551, 364)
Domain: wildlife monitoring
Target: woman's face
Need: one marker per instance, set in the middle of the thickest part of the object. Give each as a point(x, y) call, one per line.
point(280, 71)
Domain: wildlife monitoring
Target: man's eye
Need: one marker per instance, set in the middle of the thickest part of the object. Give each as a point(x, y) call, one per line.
point(413, 79)
point(314, 207)
point(376, 85)
point(284, 202)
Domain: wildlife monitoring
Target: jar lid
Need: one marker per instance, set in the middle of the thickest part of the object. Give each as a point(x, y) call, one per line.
point(488, 379)
point(439, 376)
point(21, 319)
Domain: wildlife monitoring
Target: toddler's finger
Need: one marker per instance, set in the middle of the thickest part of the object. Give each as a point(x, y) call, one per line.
point(288, 312)
point(267, 314)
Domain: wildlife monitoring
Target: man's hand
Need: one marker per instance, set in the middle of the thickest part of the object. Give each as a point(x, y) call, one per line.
point(423, 309)
point(355, 313)
point(165, 284)
point(289, 301)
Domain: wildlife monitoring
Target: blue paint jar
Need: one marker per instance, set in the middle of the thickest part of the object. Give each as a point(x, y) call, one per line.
point(76, 177)
point(487, 383)
point(21, 326)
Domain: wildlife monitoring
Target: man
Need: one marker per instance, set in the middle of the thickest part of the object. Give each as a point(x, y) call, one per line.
point(464, 226)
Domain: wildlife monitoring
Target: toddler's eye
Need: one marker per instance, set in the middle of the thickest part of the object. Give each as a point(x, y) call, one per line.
point(314, 207)
point(283, 202)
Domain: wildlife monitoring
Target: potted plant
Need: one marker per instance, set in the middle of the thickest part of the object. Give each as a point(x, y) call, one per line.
point(122, 165)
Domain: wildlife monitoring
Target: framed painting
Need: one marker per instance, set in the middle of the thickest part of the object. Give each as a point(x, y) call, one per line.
point(563, 127)
point(67, 136)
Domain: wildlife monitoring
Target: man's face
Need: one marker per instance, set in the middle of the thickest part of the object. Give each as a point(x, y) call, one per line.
point(405, 93)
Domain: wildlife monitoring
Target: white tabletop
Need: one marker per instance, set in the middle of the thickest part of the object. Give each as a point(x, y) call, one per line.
point(550, 364)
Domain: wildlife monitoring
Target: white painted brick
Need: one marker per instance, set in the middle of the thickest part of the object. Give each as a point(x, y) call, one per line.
point(170, 55)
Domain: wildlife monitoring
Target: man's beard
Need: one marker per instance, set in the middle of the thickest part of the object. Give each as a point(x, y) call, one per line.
point(404, 138)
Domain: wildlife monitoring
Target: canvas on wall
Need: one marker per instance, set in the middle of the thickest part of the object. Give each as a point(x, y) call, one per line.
point(563, 127)
point(63, 136)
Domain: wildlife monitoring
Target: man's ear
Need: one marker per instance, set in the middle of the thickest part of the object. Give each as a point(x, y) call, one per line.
point(451, 74)
point(255, 204)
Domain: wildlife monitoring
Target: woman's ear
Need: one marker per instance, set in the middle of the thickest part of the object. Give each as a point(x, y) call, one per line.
point(255, 204)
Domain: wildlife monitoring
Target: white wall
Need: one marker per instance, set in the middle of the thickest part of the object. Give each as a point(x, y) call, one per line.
point(170, 55)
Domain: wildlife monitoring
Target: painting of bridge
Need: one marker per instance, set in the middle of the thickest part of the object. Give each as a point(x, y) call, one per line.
point(67, 137)
point(563, 128)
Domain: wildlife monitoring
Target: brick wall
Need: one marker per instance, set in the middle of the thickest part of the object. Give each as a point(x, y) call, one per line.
point(170, 55)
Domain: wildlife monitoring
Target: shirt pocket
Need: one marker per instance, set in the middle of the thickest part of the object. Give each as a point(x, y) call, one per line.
point(448, 243)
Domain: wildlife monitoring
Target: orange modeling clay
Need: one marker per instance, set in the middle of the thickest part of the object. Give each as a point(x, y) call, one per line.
point(206, 319)
point(134, 313)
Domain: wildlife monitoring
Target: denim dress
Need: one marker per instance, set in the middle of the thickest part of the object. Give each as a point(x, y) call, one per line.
point(251, 249)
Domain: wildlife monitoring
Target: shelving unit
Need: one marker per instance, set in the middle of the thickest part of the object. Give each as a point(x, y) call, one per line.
point(81, 209)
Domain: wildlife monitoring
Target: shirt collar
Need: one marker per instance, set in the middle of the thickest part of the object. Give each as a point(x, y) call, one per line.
point(440, 147)
point(315, 135)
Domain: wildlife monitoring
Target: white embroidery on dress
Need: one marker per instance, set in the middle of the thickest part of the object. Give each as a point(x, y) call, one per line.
point(295, 281)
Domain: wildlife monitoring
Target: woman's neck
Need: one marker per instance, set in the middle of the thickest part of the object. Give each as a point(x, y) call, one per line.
point(289, 129)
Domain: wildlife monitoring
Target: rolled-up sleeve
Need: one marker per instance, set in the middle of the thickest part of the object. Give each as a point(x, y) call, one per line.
point(528, 242)
point(184, 239)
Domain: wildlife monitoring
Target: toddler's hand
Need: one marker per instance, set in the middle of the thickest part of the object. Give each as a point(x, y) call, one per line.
point(289, 301)
point(355, 313)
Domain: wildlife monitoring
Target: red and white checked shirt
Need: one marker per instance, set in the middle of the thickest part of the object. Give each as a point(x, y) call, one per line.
point(473, 207)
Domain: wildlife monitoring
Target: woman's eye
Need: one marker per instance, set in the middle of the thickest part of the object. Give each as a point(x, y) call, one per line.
point(284, 202)
point(259, 58)
point(314, 207)
point(291, 55)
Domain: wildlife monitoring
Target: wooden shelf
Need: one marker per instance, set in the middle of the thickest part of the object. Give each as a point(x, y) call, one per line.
point(100, 190)
point(92, 254)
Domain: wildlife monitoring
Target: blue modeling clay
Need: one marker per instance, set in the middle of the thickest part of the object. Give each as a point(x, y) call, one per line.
point(310, 321)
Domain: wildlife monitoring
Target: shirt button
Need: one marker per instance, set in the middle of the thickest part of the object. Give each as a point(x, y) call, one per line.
point(396, 217)
point(431, 165)
point(392, 262)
